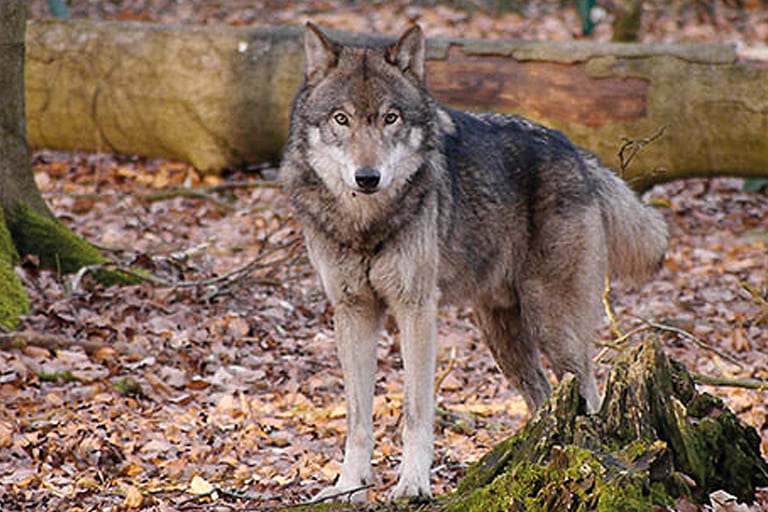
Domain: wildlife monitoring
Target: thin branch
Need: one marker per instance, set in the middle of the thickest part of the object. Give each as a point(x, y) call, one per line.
point(618, 342)
point(229, 185)
point(757, 298)
point(330, 497)
point(631, 147)
point(196, 497)
point(19, 340)
point(701, 378)
point(255, 263)
point(442, 377)
point(192, 193)
point(205, 193)
point(697, 340)
point(615, 328)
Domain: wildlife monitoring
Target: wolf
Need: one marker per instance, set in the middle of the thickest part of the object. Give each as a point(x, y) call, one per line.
point(405, 203)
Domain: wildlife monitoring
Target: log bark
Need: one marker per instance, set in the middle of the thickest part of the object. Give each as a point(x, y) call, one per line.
point(219, 97)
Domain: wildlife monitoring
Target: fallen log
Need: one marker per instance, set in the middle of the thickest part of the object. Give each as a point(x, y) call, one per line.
point(655, 440)
point(219, 97)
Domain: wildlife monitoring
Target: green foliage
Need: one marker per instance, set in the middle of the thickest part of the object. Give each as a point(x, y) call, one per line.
point(58, 8)
point(66, 376)
point(584, 9)
point(128, 387)
point(755, 185)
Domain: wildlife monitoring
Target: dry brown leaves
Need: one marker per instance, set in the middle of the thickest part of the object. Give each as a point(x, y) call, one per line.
point(228, 396)
point(170, 398)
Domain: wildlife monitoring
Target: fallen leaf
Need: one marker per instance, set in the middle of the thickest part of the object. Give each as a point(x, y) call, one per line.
point(200, 485)
point(133, 497)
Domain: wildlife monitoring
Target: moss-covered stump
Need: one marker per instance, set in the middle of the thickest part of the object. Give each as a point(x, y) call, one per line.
point(655, 439)
point(13, 299)
point(60, 249)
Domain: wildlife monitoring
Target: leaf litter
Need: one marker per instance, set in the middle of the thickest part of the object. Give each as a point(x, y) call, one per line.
point(220, 390)
point(145, 397)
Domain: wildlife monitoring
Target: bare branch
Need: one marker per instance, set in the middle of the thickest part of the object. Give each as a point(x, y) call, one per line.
point(631, 147)
point(701, 378)
point(697, 340)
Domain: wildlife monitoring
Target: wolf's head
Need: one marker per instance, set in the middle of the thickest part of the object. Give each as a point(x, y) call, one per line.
point(364, 113)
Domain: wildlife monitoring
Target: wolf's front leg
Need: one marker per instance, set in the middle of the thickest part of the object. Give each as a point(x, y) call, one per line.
point(418, 327)
point(356, 327)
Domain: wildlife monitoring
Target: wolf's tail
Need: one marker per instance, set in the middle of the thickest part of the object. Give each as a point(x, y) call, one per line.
point(636, 233)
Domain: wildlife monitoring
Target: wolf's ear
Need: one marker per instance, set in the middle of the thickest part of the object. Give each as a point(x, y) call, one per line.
point(408, 53)
point(321, 53)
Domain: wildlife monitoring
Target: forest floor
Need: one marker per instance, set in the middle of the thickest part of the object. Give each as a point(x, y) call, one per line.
point(218, 387)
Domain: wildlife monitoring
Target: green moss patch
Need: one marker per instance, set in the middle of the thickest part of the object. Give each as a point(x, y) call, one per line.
point(60, 249)
point(13, 298)
point(573, 479)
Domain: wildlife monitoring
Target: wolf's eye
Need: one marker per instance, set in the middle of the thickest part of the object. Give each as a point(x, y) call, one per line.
point(341, 118)
point(390, 118)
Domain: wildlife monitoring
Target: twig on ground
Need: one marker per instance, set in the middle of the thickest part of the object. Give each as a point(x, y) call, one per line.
point(192, 193)
point(14, 340)
point(206, 193)
point(229, 185)
point(701, 378)
point(197, 497)
point(442, 377)
point(347, 493)
point(703, 344)
point(757, 298)
point(256, 263)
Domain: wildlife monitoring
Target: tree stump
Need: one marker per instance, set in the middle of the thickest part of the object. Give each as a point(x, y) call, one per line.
point(655, 440)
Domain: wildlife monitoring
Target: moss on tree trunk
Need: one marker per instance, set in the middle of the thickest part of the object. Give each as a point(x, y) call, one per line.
point(13, 299)
point(59, 248)
point(655, 439)
point(27, 226)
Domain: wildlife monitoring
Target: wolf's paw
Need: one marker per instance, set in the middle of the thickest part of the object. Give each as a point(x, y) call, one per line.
point(415, 489)
point(343, 493)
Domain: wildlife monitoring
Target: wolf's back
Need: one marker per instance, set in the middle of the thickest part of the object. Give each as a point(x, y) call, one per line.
point(636, 233)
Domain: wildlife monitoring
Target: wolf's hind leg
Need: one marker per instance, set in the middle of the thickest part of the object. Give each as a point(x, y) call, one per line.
point(560, 319)
point(356, 327)
point(515, 353)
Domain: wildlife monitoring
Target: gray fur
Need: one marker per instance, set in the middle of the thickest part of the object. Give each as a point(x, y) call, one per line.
point(489, 210)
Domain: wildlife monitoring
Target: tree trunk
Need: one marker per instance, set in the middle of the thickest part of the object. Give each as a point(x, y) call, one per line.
point(27, 226)
point(219, 97)
point(16, 182)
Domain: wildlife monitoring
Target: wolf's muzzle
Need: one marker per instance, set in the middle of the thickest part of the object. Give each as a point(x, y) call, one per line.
point(367, 178)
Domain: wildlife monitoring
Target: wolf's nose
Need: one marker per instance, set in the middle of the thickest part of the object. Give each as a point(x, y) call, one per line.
point(367, 179)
